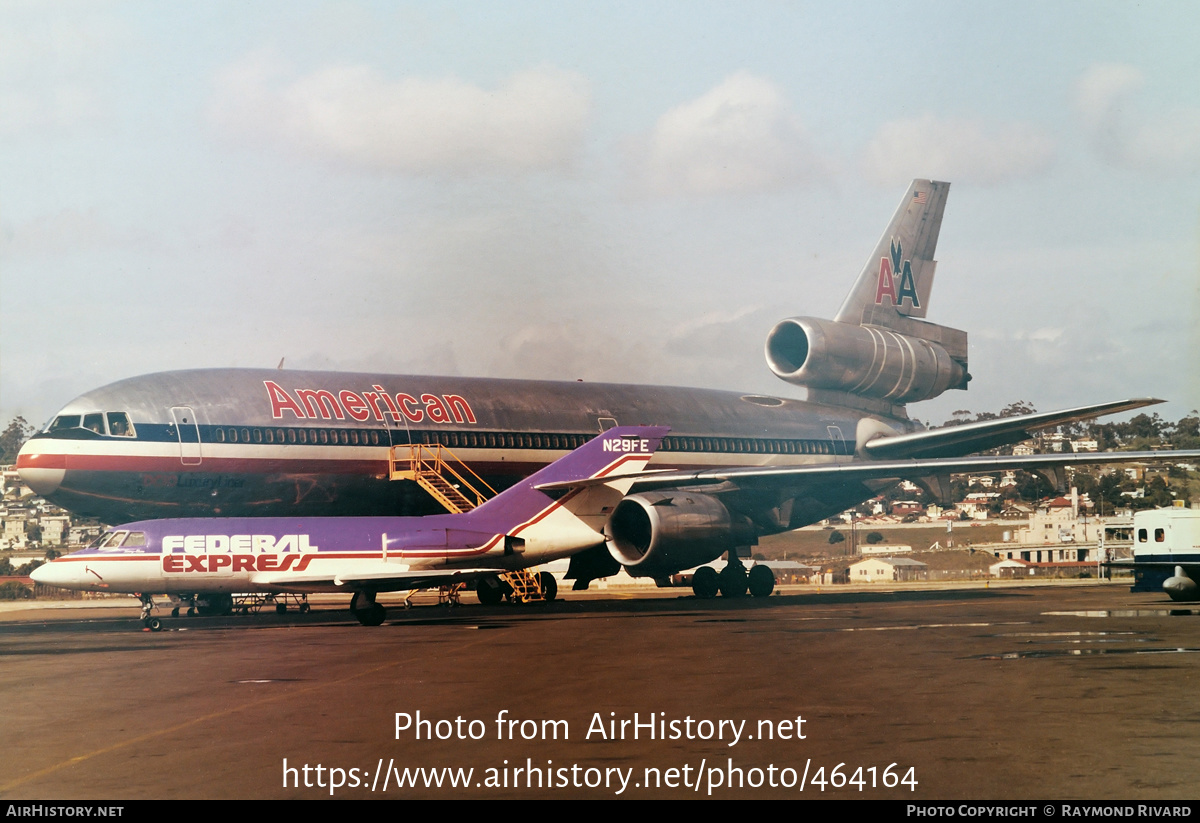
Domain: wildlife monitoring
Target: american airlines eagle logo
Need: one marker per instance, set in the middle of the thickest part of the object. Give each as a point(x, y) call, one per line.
point(888, 272)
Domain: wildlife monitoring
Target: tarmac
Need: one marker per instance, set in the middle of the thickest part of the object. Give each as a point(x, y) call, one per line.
point(1047, 692)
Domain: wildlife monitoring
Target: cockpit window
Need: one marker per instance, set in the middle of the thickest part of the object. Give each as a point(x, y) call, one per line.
point(112, 540)
point(119, 425)
point(65, 421)
point(135, 539)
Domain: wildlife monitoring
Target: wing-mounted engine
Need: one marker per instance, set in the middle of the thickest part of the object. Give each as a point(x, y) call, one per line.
point(916, 361)
point(655, 534)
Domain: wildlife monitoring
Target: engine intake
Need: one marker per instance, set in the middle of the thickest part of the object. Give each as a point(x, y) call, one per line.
point(870, 361)
point(654, 534)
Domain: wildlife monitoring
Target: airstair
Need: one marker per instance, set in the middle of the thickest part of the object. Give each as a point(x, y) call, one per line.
point(429, 467)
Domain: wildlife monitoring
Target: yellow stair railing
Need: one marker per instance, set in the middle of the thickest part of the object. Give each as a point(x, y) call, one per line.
point(526, 588)
point(428, 466)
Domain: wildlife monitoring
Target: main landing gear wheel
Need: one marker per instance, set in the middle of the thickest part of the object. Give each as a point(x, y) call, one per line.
point(761, 581)
point(489, 590)
point(549, 586)
point(366, 610)
point(705, 583)
point(733, 580)
point(153, 624)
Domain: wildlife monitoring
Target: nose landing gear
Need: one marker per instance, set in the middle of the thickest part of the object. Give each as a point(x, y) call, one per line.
point(149, 622)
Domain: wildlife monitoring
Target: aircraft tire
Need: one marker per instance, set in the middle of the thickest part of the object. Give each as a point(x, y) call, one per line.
point(705, 583)
point(548, 585)
point(761, 581)
point(153, 624)
point(489, 591)
point(733, 581)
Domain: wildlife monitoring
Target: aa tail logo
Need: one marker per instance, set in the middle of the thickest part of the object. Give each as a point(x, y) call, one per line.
point(888, 269)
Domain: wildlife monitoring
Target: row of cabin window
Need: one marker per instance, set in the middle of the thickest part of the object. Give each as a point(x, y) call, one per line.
point(1160, 536)
point(354, 437)
point(346, 437)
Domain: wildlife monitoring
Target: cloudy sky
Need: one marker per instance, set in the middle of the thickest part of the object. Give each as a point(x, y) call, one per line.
point(627, 192)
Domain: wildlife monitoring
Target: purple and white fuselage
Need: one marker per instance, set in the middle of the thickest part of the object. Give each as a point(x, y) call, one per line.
point(521, 527)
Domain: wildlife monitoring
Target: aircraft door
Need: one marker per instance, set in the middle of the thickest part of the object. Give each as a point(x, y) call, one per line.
point(839, 442)
point(188, 432)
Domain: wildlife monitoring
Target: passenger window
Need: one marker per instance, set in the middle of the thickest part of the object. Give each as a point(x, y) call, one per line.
point(258, 435)
point(1160, 535)
point(118, 425)
point(94, 422)
point(220, 435)
point(1142, 536)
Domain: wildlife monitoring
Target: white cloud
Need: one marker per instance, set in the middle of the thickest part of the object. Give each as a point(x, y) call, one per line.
point(53, 67)
point(956, 149)
point(742, 136)
point(353, 114)
point(1106, 98)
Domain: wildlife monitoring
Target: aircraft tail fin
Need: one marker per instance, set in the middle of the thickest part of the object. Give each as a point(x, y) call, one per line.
point(878, 353)
point(603, 460)
point(899, 273)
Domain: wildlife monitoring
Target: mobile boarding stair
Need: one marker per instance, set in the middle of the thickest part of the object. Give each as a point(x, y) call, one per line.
point(458, 490)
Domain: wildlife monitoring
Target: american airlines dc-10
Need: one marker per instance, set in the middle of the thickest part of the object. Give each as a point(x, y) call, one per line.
point(273, 443)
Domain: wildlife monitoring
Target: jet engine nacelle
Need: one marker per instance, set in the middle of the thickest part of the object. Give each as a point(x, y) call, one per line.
point(870, 361)
point(655, 534)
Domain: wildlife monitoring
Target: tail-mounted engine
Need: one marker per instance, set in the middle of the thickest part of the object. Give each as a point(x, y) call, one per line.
point(896, 359)
point(655, 534)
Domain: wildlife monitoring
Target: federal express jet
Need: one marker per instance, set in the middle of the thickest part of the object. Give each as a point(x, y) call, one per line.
point(521, 527)
point(244, 442)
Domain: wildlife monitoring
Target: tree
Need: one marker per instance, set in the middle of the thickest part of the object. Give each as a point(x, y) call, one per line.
point(13, 439)
point(874, 537)
point(836, 537)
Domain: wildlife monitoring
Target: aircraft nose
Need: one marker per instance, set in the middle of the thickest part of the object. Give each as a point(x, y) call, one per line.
point(46, 574)
point(40, 470)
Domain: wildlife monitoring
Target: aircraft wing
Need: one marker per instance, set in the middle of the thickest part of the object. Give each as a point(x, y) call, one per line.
point(950, 441)
point(751, 477)
point(382, 579)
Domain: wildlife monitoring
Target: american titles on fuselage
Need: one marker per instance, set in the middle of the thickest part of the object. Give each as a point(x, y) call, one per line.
point(311, 404)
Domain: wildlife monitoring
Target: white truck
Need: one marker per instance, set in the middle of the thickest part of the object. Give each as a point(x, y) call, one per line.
point(1166, 552)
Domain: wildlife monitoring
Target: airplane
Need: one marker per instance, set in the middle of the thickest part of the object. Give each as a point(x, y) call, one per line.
point(260, 442)
point(556, 512)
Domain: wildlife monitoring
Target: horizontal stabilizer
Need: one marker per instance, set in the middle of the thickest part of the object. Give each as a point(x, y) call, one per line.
point(950, 441)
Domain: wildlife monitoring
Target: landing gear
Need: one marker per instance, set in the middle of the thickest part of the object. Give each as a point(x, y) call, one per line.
point(151, 623)
point(489, 590)
point(733, 579)
point(705, 583)
point(366, 610)
point(548, 585)
point(761, 581)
